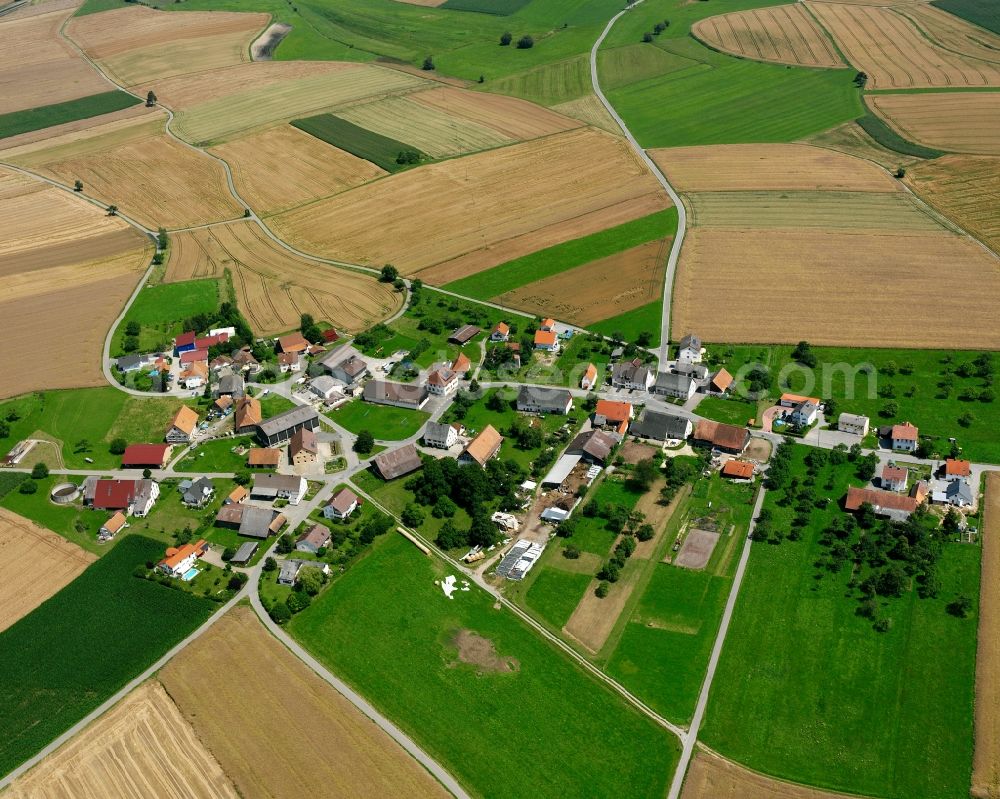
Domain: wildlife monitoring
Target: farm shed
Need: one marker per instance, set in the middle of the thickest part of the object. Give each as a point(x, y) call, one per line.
point(560, 471)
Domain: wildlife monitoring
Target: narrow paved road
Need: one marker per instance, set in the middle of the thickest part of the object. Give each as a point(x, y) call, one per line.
point(675, 247)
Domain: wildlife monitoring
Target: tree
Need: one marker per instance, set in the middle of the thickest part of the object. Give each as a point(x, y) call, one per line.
point(803, 354)
point(861, 79)
point(412, 515)
point(133, 328)
point(444, 508)
point(77, 185)
point(407, 157)
point(5, 430)
point(645, 532)
point(506, 38)
point(960, 607)
point(602, 590)
point(364, 443)
point(147, 473)
point(643, 475)
point(659, 27)
point(647, 37)
point(644, 339)
point(150, 99)
point(285, 544)
point(388, 274)
point(571, 553)
point(525, 43)
point(112, 210)
point(242, 477)
point(312, 579)
point(228, 554)
point(298, 601)
point(39, 471)
point(270, 564)
point(966, 419)
point(28, 487)
point(237, 581)
point(900, 173)
point(117, 446)
point(279, 613)
point(428, 64)
point(889, 410)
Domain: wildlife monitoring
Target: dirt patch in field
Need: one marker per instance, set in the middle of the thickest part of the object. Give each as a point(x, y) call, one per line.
point(274, 287)
point(657, 515)
point(697, 549)
point(781, 34)
point(264, 45)
point(759, 449)
point(785, 286)
point(712, 777)
point(964, 122)
point(277, 729)
point(598, 290)
point(482, 653)
point(472, 213)
point(986, 759)
point(635, 451)
point(768, 167)
point(282, 167)
point(38, 68)
point(594, 618)
point(141, 747)
point(34, 564)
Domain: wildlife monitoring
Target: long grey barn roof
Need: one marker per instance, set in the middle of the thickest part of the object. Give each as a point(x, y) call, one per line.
point(286, 419)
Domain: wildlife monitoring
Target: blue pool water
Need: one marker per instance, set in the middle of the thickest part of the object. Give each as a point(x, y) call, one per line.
point(190, 574)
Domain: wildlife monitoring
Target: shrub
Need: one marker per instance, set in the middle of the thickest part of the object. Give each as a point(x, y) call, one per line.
point(602, 590)
point(280, 613)
point(525, 43)
point(506, 38)
point(39, 471)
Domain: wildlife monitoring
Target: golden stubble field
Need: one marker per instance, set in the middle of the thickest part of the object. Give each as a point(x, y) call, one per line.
point(141, 748)
point(986, 757)
point(34, 564)
point(446, 220)
point(780, 34)
point(277, 729)
point(274, 287)
point(964, 122)
point(38, 68)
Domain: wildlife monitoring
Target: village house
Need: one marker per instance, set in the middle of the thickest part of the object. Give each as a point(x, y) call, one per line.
point(231, 385)
point(247, 415)
point(531, 399)
point(464, 335)
point(719, 383)
point(288, 572)
point(220, 362)
point(723, 437)
point(594, 446)
point(302, 447)
point(546, 340)
point(738, 470)
point(345, 364)
point(293, 343)
point(114, 525)
point(689, 349)
point(803, 414)
point(267, 458)
point(193, 376)
point(223, 404)
point(194, 356)
point(659, 426)
point(633, 375)
point(289, 362)
point(179, 560)
point(904, 437)
point(614, 415)
point(853, 423)
point(440, 435)
point(342, 504)
point(132, 497)
point(131, 363)
point(884, 503)
point(501, 332)
point(671, 384)
point(197, 493)
point(442, 381)
point(244, 361)
point(893, 478)
point(313, 539)
point(589, 378)
point(461, 365)
point(696, 371)
point(398, 395)
point(956, 469)
point(237, 496)
point(956, 492)
point(282, 427)
point(184, 342)
point(324, 387)
point(146, 456)
point(397, 462)
point(548, 325)
point(482, 448)
point(279, 486)
point(182, 426)
point(250, 521)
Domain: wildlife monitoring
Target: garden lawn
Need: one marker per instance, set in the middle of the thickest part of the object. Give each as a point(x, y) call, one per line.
point(571, 735)
point(629, 325)
point(555, 594)
point(216, 456)
point(161, 309)
point(46, 116)
point(75, 650)
point(591, 533)
point(807, 691)
point(385, 422)
point(730, 411)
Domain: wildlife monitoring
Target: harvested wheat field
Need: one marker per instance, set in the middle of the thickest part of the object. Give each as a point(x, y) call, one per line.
point(590, 111)
point(712, 777)
point(964, 122)
point(447, 220)
point(599, 290)
point(77, 126)
point(34, 564)
point(835, 288)
point(274, 287)
point(133, 164)
point(851, 138)
point(954, 33)
point(895, 53)
point(769, 167)
point(41, 7)
point(280, 168)
point(266, 92)
point(298, 737)
point(966, 189)
point(781, 34)
point(510, 117)
point(137, 45)
point(141, 748)
point(37, 67)
point(986, 757)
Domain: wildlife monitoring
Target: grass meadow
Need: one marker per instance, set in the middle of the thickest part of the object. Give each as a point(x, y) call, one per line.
point(46, 116)
point(385, 422)
point(807, 691)
point(76, 649)
point(216, 456)
point(390, 632)
point(380, 150)
point(555, 594)
point(161, 309)
point(630, 324)
point(983, 13)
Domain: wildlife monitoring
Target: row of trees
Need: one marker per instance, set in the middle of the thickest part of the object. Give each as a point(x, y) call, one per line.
point(526, 42)
point(658, 28)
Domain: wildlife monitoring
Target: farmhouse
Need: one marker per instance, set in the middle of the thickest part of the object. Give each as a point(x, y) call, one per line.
point(324, 387)
point(211, 340)
point(633, 375)
point(464, 334)
point(501, 332)
point(146, 456)
point(112, 526)
point(288, 573)
point(461, 365)
point(594, 446)
point(182, 426)
point(341, 505)
point(293, 343)
point(279, 486)
point(548, 324)
point(184, 342)
point(219, 363)
point(531, 399)
point(251, 521)
point(302, 447)
point(615, 415)
point(893, 478)
point(853, 423)
point(689, 349)
point(659, 426)
point(670, 384)
point(442, 381)
point(720, 383)
point(884, 503)
point(723, 437)
point(231, 385)
point(956, 470)
point(589, 377)
point(738, 470)
point(245, 361)
point(289, 362)
point(258, 458)
point(345, 364)
point(179, 560)
point(248, 414)
point(398, 462)
point(245, 552)
point(194, 356)
point(439, 435)
point(283, 426)
point(131, 363)
point(194, 376)
point(560, 471)
point(197, 493)
point(398, 395)
point(546, 340)
point(482, 448)
point(904, 437)
point(222, 404)
point(696, 371)
point(314, 539)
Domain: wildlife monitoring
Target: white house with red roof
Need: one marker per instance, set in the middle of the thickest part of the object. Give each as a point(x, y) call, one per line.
point(904, 437)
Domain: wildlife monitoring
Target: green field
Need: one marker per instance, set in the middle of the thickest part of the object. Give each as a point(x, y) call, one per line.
point(555, 594)
point(630, 324)
point(380, 150)
point(56, 114)
point(979, 12)
point(385, 422)
point(875, 127)
point(161, 309)
point(570, 735)
point(808, 691)
point(501, 8)
point(620, 66)
point(75, 650)
point(216, 456)
point(548, 84)
point(553, 260)
point(730, 411)
point(72, 522)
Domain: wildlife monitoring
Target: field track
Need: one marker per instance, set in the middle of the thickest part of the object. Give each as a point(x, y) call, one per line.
point(297, 731)
point(34, 564)
point(986, 759)
point(143, 747)
point(780, 34)
point(966, 122)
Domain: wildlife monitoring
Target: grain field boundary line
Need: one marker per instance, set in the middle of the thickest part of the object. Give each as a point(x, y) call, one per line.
point(831, 39)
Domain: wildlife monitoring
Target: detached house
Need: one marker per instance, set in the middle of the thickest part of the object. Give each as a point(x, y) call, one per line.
point(197, 493)
point(482, 448)
point(247, 414)
point(853, 423)
point(689, 349)
point(313, 540)
point(589, 378)
point(179, 560)
point(594, 446)
point(671, 384)
point(461, 365)
point(632, 375)
point(182, 426)
point(614, 415)
point(440, 435)
point(501, 332)
point(546, 340)
point(956, 469)
point(279, 486)
point(803, 414)
point(302, 447)
point(345, 364)
point(904, 437)
point(293, 343)
point(399, 395)
point(341, 505)
point(442, 381)
point(531, 399)
point(893, 478)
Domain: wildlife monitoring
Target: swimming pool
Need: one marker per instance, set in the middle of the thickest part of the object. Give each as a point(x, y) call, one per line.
point(189, 575)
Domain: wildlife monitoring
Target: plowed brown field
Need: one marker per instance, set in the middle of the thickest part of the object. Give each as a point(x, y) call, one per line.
point(964, 188)
point(964, 122)
point(138, 45)
point(280, 168)
point(768, 167)
point(274, 286)
point(986, 758)
point(34, 564)
point(277, 728)
point(895, 53)
point(598, 290)
point(474, 212)
point(781, 34)
point(786, 286)
point(38, 68)
point(141, 748)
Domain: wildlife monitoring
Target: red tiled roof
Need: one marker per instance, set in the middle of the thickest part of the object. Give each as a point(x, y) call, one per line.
point(893, 474)
point(904, 432)
point(461, 364)
point(211, 341)
point(545, 337)
point(263, 457)
point(184, 339)
point(722, 380)
point(797, 398)
point(726, 436)
point(887, 500)
point(957, 468)
point(614, 411)
point(114, 494)
point(172, 559)
point(342, 500)
point(590, 375)
point(145, 454)
point(738, 469)
point(293, 342)
point(191, 356)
